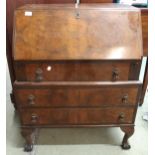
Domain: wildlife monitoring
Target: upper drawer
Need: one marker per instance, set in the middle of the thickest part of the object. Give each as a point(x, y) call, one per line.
point(77, 71)
point(89, 32)
point(76, 94)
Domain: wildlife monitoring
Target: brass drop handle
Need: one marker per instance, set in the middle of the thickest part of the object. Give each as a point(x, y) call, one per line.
point(31, 99)
point(121, 117)
point(34, 118)
point(115, 74)
point(39, 74)
point(125, 99)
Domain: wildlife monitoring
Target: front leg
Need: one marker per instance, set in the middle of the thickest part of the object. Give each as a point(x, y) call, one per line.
point(128, 130)
point(29, 136)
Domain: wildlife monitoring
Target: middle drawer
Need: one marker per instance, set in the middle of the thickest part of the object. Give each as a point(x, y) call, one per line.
point(77, 95)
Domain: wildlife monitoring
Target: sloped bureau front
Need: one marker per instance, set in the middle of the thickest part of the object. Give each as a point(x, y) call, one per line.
point(90, 32)
point(77, 66)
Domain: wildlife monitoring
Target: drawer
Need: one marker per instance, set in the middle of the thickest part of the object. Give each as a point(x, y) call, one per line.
point(79, 116)
point(77, 94)
point(77, 71)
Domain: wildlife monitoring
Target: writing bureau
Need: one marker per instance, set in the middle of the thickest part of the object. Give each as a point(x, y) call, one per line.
point(77, 66)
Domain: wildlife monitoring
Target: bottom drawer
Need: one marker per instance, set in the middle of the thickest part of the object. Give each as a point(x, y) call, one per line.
point(77, 116)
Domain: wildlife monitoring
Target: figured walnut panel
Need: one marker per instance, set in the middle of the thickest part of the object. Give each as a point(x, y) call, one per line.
point(78, 70)
point(54, 32)
point(76, 116)
point(77, 96)
point(57, 94)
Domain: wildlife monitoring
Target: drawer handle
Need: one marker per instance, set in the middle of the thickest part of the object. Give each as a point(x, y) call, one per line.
point(125, 99)
point(121, 117)
point(115, 75)
point(39, 74)
point(31, 99)
point(34, 118)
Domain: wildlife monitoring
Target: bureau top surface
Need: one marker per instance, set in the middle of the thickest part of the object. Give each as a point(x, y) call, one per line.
point(70, 32)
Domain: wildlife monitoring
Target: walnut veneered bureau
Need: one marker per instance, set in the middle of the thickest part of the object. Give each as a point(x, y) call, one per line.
point(77, 66)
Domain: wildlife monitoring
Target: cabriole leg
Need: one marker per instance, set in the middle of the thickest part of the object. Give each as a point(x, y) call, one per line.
point(128, 130)
point(29, 136)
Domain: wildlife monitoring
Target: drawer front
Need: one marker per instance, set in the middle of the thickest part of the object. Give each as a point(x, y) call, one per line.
point(77, 96)
point(73, 116)
point(77, 71)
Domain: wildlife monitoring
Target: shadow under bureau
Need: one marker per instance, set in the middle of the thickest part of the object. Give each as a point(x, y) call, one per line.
point(77, 67)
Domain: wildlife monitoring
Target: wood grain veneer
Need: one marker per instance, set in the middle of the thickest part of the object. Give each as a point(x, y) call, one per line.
point(78, 70)
point(77, 66)
point(120, 24)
